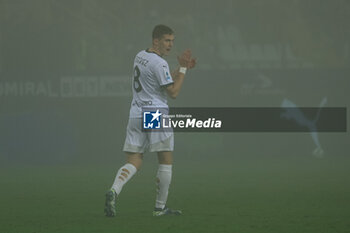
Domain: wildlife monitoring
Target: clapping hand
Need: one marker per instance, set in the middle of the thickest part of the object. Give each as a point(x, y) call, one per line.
point(186, 59)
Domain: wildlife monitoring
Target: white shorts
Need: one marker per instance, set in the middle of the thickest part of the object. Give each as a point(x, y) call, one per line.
point(138, 141)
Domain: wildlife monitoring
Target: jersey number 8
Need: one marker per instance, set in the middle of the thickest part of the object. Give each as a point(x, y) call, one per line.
point(137, 83)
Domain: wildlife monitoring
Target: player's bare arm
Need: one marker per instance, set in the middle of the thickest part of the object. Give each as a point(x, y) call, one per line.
point(186, 62)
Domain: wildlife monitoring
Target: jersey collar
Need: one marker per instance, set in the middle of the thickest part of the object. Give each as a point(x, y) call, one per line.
point(147, 51)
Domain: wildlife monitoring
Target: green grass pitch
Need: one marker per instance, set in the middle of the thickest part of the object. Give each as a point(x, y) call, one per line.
point(217, 194)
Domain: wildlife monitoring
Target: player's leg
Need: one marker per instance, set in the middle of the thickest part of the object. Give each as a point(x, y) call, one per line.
point(163, 180)
point(124, 174)
point(163, 144)
point(134, 146)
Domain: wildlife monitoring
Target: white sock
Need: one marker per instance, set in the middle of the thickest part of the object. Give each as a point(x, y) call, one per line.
point(163, 182)
point(124, 174)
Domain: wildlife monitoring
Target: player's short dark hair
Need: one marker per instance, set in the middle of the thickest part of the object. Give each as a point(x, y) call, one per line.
point(161, 30)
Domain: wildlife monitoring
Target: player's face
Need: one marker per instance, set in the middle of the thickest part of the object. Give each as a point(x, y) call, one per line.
point(165, 44)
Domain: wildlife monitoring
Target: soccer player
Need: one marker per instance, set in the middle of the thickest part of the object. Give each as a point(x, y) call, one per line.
point(152, 82)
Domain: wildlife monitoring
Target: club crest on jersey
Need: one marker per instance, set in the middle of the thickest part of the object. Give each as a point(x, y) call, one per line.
point(152, 119)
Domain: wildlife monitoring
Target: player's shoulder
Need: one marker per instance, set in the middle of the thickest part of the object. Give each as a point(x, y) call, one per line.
point(152, 57)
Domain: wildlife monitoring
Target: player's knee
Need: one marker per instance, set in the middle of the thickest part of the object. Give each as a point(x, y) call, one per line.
point(165, 157)
point(138, 166)
point(137, 163)
point(135, 159)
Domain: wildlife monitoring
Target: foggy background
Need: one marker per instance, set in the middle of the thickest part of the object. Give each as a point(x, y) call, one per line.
point(66, 67)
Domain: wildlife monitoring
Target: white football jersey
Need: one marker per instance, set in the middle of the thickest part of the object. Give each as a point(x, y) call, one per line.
point(151, 75)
